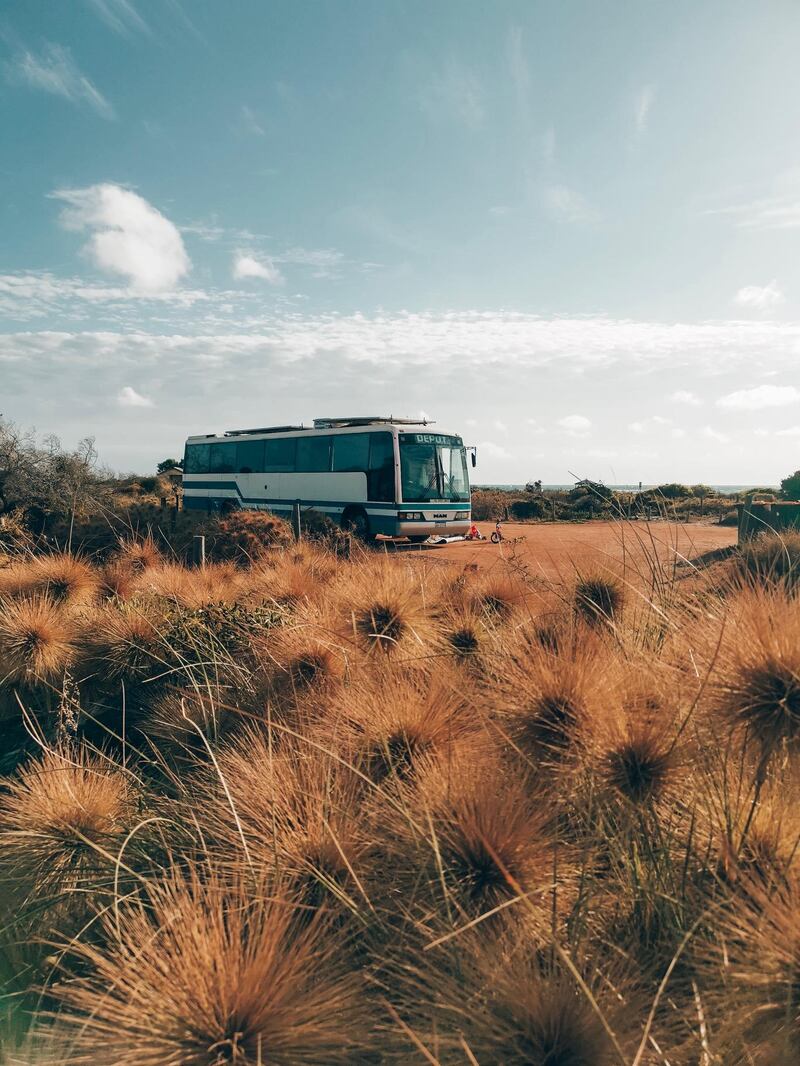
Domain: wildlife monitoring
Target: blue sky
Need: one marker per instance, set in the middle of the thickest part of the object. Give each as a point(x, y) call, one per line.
point(567, 230)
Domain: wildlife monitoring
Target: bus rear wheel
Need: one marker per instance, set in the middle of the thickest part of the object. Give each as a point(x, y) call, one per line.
point(355, 521)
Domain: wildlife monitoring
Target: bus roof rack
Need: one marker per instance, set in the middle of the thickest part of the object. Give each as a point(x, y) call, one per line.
point(262, 429)
point(331, 423)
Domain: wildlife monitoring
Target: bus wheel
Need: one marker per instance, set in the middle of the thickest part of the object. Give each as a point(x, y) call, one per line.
point(356, 522)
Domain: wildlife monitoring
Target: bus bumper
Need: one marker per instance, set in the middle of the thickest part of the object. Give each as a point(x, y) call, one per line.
point(448, 528)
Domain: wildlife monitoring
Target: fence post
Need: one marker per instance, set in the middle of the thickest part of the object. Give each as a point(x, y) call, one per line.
point(296, 519)
point(199, 550)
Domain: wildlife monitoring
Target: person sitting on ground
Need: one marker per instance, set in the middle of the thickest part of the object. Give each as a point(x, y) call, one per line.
point(474, 533)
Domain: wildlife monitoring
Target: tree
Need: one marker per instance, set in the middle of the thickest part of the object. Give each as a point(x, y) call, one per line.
point(167, 464)
point(790, 486)
point(673, 491)
point(596, 489)
point(44, 480)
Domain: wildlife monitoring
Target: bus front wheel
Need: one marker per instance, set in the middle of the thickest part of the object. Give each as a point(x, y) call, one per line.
point(355, 521)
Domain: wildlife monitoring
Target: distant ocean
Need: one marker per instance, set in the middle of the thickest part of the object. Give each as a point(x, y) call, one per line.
point(633, 488)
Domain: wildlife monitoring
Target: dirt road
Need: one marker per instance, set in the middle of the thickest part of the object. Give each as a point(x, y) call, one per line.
point(556, 549)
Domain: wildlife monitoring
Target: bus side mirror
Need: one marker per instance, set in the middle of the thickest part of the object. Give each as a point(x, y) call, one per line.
point(474, 458)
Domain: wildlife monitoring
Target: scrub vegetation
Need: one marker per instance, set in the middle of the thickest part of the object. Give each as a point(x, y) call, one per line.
point(296, 808)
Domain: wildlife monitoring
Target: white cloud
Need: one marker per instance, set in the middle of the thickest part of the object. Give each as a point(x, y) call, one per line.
point(644, 102)
point(324, 262)
point(576, 425)
point(120, 15)
point(128, 235)
point(686, 397)
point(247, 266)
point(770, 212)
point(494, 451)
point(129, 397)
point(250, 121)
point(510, 343)
point(657, 421)
point(758, 398)
point(564, 202)
point(760, 297)
point(712, 434)
point(55, 71)
point(500, 426)
point(792, 431)
point(453, 93)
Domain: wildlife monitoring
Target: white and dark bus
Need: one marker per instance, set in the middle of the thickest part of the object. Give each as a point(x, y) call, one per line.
point(371, 475)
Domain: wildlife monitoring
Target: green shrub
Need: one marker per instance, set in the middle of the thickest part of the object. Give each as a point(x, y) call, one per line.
point(790, 486)
point(526, 509)
point(244, 536)
point(673, 491)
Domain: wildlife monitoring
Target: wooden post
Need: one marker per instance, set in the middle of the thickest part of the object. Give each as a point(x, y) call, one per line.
point(296, 519)
point(199, 550)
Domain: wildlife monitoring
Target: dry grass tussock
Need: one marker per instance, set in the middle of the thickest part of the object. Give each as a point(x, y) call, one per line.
point(65, 579)
point(379, 811)
point(204, 973)
point(61, 822)
point(38, 641)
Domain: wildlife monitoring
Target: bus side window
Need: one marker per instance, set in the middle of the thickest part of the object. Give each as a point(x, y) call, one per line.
point(223, 458)
point(313, 454)
point(249, 456)
point(197, 458)
point(351, 453)
point(380, 479)
point(279, 455)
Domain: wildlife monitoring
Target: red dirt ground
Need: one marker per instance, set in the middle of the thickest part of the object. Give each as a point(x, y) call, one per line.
point(555, 550)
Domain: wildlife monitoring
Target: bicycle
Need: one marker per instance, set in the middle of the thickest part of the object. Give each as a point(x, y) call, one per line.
point(497, 536)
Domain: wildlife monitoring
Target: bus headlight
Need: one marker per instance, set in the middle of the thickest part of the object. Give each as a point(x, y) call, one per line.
point(462, 516)
point(411, 516)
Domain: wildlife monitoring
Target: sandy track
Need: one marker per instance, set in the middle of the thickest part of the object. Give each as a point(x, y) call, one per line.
point(556, 549)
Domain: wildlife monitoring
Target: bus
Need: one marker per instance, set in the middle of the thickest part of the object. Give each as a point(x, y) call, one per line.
point(373, 476)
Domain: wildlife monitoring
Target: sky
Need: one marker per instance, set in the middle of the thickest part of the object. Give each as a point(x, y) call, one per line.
point(567, 231)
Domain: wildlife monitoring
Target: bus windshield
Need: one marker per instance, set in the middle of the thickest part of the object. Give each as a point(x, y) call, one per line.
point(433, 471)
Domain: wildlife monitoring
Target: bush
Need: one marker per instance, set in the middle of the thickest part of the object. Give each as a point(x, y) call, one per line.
point(790, 486)
point(244, 536)
point(673, 491)
point(773, 559)
point(488, 504)
point(594, 489)
point(526, 509)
